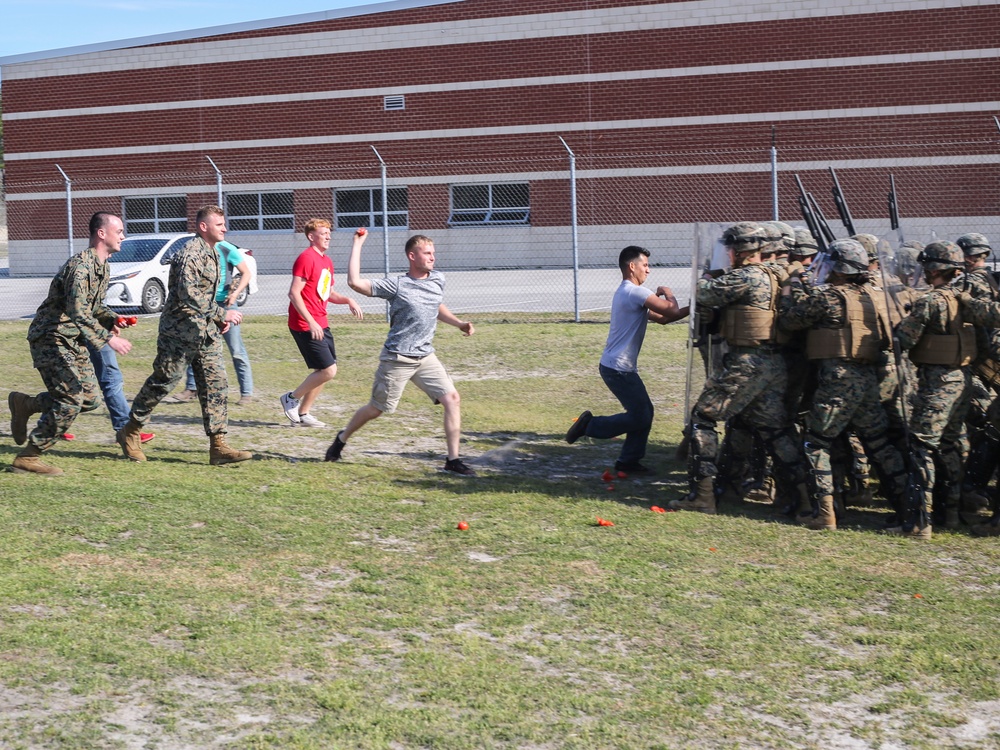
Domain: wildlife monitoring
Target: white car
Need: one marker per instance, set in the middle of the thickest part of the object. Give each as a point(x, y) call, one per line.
point(139, 271)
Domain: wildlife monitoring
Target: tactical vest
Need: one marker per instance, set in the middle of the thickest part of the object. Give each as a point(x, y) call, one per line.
point(743, 325)
point(865, 333)
point(956, 348)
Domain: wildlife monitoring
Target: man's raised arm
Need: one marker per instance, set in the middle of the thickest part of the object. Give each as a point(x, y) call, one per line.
point(354, 280)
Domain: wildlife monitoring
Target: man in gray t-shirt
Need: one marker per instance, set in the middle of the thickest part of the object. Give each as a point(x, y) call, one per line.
point(631, 307)
point(415, 307)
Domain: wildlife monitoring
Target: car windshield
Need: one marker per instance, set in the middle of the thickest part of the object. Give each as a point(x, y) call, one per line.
point(138, 250)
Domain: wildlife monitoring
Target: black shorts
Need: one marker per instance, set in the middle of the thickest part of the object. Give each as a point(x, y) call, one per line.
point(318, 354)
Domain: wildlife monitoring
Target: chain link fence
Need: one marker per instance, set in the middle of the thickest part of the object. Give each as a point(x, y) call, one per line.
point(530, 237)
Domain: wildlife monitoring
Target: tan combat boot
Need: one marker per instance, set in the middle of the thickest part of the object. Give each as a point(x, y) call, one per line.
point(22, 406)
point(823, 520)
point(28, 462)
point(914, 533)
point(129, 438)
point(702, 500)
point(221, 453)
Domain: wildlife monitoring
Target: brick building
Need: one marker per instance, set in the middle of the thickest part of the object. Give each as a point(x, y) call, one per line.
point(474, 106)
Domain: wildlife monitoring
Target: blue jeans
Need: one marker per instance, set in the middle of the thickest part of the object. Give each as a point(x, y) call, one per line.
point(635, 422)
point(241, 361)
point(109, 377)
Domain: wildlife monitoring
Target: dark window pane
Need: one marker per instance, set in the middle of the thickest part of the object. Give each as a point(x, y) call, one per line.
point(139, 208)
point(397, 220)
point(242, 205)
point(470, 196)
point(173, 226)
point(510, 196)
point(398, 200)
point(243, 225)
point(137, 227)
point(520, 216)
point(172, 208)
point(352, 221)
point(276, 203)
point(468, 218)
point(353, 201)
point(273, 223)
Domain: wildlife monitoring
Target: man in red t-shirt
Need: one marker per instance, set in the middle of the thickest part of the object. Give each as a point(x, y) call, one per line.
point(311, 290)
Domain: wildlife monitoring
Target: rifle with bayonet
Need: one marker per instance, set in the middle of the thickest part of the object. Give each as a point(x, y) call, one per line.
point(809, 216)
point(841, 203)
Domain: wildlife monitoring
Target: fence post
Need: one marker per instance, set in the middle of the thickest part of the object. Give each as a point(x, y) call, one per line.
point(573, 225)
point(218, 182)
point(385, 221)
point(69, 209)
point(774, 177)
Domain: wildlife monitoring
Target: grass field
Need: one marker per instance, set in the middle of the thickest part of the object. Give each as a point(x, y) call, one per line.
point(292, 603)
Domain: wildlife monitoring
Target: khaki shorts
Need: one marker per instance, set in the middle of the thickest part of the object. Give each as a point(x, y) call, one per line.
point(395, 371)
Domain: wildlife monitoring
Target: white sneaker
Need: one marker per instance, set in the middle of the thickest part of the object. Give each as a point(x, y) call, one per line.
point(308, 420)
point(290, 406)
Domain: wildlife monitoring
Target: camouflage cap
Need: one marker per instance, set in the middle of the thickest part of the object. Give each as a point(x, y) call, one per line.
point(942, 256)
point(744, 237)
point(870, 243)
point(849, 257)
point(974, 243)
point(805, 243)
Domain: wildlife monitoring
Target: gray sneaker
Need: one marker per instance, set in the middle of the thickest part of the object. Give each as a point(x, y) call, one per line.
point(290, 406)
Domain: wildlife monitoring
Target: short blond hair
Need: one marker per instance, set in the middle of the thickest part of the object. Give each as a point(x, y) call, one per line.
point(313, 224)
point(205, 211)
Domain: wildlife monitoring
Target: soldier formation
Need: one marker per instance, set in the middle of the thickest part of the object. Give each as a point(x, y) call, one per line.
point(821, 364)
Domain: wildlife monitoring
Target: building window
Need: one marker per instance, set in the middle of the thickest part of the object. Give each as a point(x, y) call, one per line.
point(260, 212)
point(473, 205)
point(154, 215)
point(363, 208)
point(390, 103)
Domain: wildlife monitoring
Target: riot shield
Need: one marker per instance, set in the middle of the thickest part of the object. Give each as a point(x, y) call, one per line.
point(899, 297)
point(710, 256)
point(820, 269)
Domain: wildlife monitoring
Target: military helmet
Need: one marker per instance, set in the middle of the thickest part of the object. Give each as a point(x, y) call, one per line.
point(849, 257)
point(787, 233)
point(974, 243)
point(805, 243)
point(870, 243)
point(942, 256)
point(774, 238)
point(906, 258)
point(744, 237)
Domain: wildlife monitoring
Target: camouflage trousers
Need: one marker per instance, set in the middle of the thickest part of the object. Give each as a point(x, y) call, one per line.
point(752, 384)
point(847, 397)
point(71, 384)
point(938, 429)
point(173, 357)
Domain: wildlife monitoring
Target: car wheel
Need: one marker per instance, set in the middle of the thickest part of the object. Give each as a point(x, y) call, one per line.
point(152, 297)
point(241, 300)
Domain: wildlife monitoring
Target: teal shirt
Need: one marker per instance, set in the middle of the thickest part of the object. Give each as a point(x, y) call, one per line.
point(229, 255)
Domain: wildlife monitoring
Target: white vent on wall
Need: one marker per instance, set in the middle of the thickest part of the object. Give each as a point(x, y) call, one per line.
point(393, 102)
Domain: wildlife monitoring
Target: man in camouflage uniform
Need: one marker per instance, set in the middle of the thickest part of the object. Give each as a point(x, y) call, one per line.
point(803, 250)
point(191, 329)
point(753, 379)
point(942, 344)
point(71, 317)
point(984, 440)
point(848, 331)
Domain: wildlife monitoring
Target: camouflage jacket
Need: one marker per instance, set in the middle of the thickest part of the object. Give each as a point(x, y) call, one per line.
point(191, 312)
point(928, 315)
point(979, 283)
point(983, 311)
point(74, 308)
point(819, 306)
point(746, 285)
